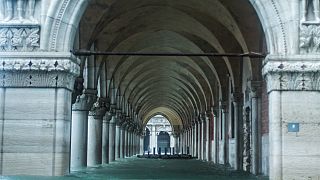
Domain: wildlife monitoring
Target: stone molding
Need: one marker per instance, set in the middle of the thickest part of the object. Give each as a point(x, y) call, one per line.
point(19, 37)
point(296, 73)
point(39, 69)
point(85, 101)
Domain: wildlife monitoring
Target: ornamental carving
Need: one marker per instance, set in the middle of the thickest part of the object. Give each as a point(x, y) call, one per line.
point(99, 108)
point(303, 75)
point(19, 11)
point(32, 70)
point(19, 38)
point(309, 39)
point(85, 101)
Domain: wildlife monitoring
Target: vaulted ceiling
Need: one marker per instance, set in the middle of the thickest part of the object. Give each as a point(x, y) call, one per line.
point(178, 87)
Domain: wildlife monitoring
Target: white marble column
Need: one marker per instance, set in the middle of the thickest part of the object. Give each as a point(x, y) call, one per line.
point(236, 102)
point(94, 155)
point(195, 139)
point(215, 139)
point(207, 137)
point(79, 130)
point(112, 131)
point(117, 142)
point(202, 139)
point(126, 147)
point(199, 139)
point(121, 143)
point(275, 138)
point(105, 138)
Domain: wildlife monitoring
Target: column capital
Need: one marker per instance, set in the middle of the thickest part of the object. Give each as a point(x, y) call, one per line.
point(38, 69)
point(99, 108)
point(292, 72)
point(85, 101)
point(237, 97)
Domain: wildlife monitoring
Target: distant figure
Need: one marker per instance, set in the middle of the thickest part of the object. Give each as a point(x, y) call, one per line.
point(9, 10)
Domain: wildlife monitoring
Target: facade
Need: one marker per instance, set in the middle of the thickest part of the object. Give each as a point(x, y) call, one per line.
point(155, 126)
point(60, 111)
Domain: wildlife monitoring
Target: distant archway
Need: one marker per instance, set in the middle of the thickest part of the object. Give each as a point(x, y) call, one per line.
point(163, 141)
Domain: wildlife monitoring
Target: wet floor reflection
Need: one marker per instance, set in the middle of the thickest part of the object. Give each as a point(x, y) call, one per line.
point(135, 168)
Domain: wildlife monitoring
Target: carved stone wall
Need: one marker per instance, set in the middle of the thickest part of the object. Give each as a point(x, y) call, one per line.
point(292, 73)
point(38, 70)
point(19, 38)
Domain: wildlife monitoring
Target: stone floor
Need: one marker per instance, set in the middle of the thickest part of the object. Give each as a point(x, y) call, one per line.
point(135, 168)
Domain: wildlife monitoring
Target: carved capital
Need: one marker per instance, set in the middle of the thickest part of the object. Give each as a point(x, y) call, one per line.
point(309, 39)
point(300, 73)
point(85, 101)
point(38, 70)
point(99, 108)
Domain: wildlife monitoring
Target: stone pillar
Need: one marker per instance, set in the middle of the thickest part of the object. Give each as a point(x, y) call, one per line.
point(117, 142)
point(79, 129)
point(105, 138)
point(255, 127)
point(202, 139)
point(236, 102)
point(126, 148)
point(35, 107)
point(208, 141)
point(96, 115)
point(215, 138)
point(199, 139)
point(112, 131)
point(195, 139)
point(142, 145)
point(121, 143)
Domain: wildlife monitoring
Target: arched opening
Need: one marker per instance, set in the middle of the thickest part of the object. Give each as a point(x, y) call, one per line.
point(163, 141)
point(161, 134)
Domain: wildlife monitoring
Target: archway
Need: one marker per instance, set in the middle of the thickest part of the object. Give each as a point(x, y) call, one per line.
point(163, 141)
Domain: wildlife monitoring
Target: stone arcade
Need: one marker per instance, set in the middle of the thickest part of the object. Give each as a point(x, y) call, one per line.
point(60, 112)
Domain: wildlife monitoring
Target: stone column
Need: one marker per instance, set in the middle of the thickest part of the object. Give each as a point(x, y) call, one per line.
point(199, 139)
point(112, 131)
point(237, 99)
point(117, 142)
point(79, 129)
point(255, 127)
point(207, 137)
point(35, 106)
point(105, 138)
point(202, 138)
point(126, 148)
point(215, 138)
point(121, 143)
point(195, 139)
point(96, 115)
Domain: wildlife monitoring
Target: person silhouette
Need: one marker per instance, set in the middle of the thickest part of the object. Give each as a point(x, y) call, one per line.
point(20, 8)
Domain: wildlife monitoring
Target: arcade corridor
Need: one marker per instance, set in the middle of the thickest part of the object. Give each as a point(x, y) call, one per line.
point(134, 168)
point(237, 80)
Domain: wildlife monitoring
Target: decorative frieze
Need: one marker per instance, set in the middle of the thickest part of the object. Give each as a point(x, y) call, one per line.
point(309, 39)
point(19, 38)
point(292, 75)
point(309, 28)
point(38, 70)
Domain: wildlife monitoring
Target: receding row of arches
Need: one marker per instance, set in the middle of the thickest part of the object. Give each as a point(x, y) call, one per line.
point(204, 98)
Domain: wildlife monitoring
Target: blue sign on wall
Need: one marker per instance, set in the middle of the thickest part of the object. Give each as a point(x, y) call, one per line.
point(293, 127)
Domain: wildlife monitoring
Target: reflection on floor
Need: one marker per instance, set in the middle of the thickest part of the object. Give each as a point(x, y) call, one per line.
point(139, 168)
